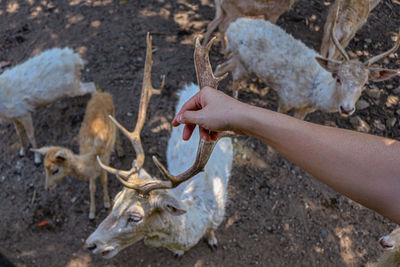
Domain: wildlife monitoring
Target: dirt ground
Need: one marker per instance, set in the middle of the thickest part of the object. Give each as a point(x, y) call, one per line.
point(277, 215)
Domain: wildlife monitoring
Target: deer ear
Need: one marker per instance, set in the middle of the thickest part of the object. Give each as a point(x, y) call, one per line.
point(329, 64)
point(169, 204)
point(378, 74)
point(61, 155)
point(42, 150)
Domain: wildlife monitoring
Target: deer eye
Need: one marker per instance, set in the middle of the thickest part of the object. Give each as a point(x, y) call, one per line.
point(134, 218)
point(54, 172)
point(335, 76)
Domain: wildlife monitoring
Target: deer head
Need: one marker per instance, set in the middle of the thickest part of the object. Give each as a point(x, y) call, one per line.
point(56, 164)
point(351, 75)
point(145, 212)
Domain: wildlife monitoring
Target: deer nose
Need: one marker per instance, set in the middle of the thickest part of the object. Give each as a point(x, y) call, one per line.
point(346, 110)
point(91, 247)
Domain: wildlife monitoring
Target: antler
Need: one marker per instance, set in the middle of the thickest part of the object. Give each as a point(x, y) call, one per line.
point(134, 137)
point(396, 46)
point(335, 40)
point(205, 77)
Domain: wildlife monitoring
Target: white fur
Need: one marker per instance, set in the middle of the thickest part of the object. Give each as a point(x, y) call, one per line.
point(39, 81)
point(284, 63)
point(203, 197)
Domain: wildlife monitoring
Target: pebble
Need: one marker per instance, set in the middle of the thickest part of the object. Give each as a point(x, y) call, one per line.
point(391, 122)
point(392, 100)
point(359, 124)
point(362, 104)
point(379, 125)
point(374, 93)
point(367, 40)
point(129, 114)
point(324, 233)
point(396, 91)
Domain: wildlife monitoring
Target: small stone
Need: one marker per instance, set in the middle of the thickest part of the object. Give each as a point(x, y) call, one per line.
point(391, 122)
point(392, 100)
point(324, 233)
point(330, 123)
point(129, 114)
point(359, 124)
point(398, 112)
point(389, 86)
point(374, 93)
point(73, 199)
point(396, 91)
point(379, 125)
point(362, 104)
point(367, 40)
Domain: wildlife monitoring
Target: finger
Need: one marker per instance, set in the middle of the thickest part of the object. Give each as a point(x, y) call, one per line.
point(214, 135)
point(188, 131)
point(205, 134)
point(192, 104)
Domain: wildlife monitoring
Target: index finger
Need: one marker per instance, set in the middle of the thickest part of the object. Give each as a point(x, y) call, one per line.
point(192, 104)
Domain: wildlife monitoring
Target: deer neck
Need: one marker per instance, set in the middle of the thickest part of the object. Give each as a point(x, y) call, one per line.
point(82, 166)
point(325, 95)
point(174, 232)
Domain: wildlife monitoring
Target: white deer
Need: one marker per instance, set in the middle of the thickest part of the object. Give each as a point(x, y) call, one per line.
point(227, 11)
point(37, 82)
point(149, 209)
point(303, 79)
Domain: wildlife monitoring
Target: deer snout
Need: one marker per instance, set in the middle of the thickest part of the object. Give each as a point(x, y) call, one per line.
point(347, 111)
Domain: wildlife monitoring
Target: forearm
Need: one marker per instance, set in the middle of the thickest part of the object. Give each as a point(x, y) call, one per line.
point(363, 167)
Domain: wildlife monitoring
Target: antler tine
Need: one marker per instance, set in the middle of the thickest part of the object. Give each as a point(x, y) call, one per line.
point(205, 77)
point(335, 40)
point(134, 137)
point(384, 54)
point(204, 73)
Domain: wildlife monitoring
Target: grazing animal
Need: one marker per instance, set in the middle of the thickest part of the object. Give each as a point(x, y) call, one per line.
point(227, 11)
point(352, 15)
point(96, 137)
point(37, 82)
point(149, 209)
point(303, 80)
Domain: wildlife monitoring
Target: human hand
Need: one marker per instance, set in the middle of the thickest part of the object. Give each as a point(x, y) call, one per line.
point(211, 109)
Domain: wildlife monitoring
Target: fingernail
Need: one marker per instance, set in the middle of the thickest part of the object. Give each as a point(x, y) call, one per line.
point(179, 119)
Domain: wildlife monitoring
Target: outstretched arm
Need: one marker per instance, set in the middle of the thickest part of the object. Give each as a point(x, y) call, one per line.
point(363, 167)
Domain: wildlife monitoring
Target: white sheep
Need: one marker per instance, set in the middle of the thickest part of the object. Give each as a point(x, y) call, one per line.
point(37, 82)
point(303, 80)
point(176, 218)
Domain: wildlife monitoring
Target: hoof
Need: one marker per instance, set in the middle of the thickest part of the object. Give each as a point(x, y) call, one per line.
point(21, 152)
point(178, 254)
point(37, 159)
point(91, 216)
point(107, 205)
point(213, 247)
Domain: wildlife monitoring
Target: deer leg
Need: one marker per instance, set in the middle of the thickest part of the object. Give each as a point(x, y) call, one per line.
point(20, 131)
point(301, 113)
point(211, 239)
point(30, 132)
point(283, 108)
point(92, 189)
point(106, 197)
